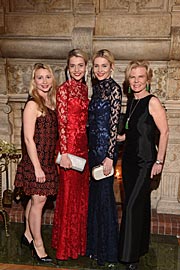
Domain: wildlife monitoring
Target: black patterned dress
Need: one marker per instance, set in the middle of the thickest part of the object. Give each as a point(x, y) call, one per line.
point(104, 112)
point(45, 137)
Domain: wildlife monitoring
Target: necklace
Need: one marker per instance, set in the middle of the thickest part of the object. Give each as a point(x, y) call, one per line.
point(131, 111)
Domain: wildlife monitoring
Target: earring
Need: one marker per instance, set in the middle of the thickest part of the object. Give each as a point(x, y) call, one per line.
point(86, 75)
point(112, 73)
point(68, 75)
point(129, 90)
point(147, 87)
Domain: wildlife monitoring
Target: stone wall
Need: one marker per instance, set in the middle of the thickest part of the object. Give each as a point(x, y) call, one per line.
point(45, 30)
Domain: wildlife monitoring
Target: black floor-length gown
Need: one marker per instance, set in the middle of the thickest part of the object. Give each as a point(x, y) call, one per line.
point(138, 158)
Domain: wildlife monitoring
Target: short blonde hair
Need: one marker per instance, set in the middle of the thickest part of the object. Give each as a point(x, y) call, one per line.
point(138, 63)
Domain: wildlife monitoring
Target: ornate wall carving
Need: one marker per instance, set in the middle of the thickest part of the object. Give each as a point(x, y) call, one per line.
point(134, 6)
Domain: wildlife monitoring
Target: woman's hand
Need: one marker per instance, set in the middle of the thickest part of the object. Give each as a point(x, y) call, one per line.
point(40, 175)
point(121, 138)
point(156, 169)
point(107, 165)
point(65, 161)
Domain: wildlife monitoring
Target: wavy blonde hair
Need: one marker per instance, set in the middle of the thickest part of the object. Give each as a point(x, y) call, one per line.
point(33, 93)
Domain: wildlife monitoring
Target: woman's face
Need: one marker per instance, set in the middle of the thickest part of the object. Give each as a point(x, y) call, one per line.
point(43, 80)
point(102, 68)
point(138, 79)
point(77, 68)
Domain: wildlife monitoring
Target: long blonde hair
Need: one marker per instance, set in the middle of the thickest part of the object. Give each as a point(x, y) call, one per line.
point(33, 93)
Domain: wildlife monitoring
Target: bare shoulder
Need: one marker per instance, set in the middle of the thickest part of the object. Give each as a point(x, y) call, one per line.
point(31, 108)
point(155, 106)
point(31, 104)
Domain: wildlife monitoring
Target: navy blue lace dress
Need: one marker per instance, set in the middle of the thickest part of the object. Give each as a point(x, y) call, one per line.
point(104, 109)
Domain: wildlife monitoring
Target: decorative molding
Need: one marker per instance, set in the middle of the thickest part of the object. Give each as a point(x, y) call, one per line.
point(173, 92)
point(19, 76)
point(159, 82)
point(134, 6)
point(41, 6)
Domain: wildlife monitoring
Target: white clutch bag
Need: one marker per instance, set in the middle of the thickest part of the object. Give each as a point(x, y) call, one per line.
point(97, 172)
point(78, 163)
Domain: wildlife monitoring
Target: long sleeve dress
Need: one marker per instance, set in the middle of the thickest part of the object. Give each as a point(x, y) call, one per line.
point(104, 109)
point(139, 156)
point(70, 216)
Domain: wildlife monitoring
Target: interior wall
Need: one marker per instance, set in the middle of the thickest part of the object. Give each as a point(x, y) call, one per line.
point(34, 31)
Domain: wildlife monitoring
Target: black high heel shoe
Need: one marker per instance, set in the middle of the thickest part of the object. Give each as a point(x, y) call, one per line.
point(45, 259)
point(25, 242)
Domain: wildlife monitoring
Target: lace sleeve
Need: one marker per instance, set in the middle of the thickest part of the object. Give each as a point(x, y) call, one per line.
point(115, 101)
point(62, 104)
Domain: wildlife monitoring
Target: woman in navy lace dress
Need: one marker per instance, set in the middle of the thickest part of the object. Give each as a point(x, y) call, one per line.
point(104, 109)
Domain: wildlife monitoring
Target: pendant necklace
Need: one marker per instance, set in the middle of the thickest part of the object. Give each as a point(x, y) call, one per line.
point(131, 111)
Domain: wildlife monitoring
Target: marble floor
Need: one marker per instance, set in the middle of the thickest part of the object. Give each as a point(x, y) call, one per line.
point(164, 253)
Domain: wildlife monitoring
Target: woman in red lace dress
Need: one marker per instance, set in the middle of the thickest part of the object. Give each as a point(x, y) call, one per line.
point(70, 216)
point(36, 172)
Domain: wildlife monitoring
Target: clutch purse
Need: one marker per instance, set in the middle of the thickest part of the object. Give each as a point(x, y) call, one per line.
point(78, 163)
point(97, 173)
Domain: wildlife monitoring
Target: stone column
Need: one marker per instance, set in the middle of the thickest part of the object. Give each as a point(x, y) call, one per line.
point(168, 199)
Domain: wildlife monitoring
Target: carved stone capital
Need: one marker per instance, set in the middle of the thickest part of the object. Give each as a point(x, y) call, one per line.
point(173, 84)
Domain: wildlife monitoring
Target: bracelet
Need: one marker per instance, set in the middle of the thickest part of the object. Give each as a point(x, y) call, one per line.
point(159, 162)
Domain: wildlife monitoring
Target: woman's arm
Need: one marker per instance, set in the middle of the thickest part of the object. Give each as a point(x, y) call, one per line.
point(62, 112)
point(115, 103)
point(29, 120)
point(159, 115)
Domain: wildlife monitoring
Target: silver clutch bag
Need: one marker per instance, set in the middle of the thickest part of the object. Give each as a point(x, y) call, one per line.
point(78, 163)
point(97, 172)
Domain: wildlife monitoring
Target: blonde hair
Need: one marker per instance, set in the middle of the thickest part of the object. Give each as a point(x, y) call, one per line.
point(34, 93)
point(105, 54)
point(138, 63)
point(77, 53)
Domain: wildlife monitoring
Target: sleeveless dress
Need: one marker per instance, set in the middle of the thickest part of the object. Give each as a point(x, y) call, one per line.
point(45, 137)
point(69, 233)
point(139, 156)
point(104, 112)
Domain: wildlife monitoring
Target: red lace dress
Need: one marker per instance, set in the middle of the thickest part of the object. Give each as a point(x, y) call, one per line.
point(70, 216)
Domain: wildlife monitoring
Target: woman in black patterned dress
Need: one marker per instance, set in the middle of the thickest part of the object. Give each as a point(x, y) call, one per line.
point(36, 172)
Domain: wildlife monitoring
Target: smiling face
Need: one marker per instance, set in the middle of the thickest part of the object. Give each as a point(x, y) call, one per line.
point(138, 79)
point(43, 80)
point(102, 68)
point(77, 68)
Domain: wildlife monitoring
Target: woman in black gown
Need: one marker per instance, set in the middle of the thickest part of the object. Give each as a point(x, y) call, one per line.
point(141, 161)
point(104, 111)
